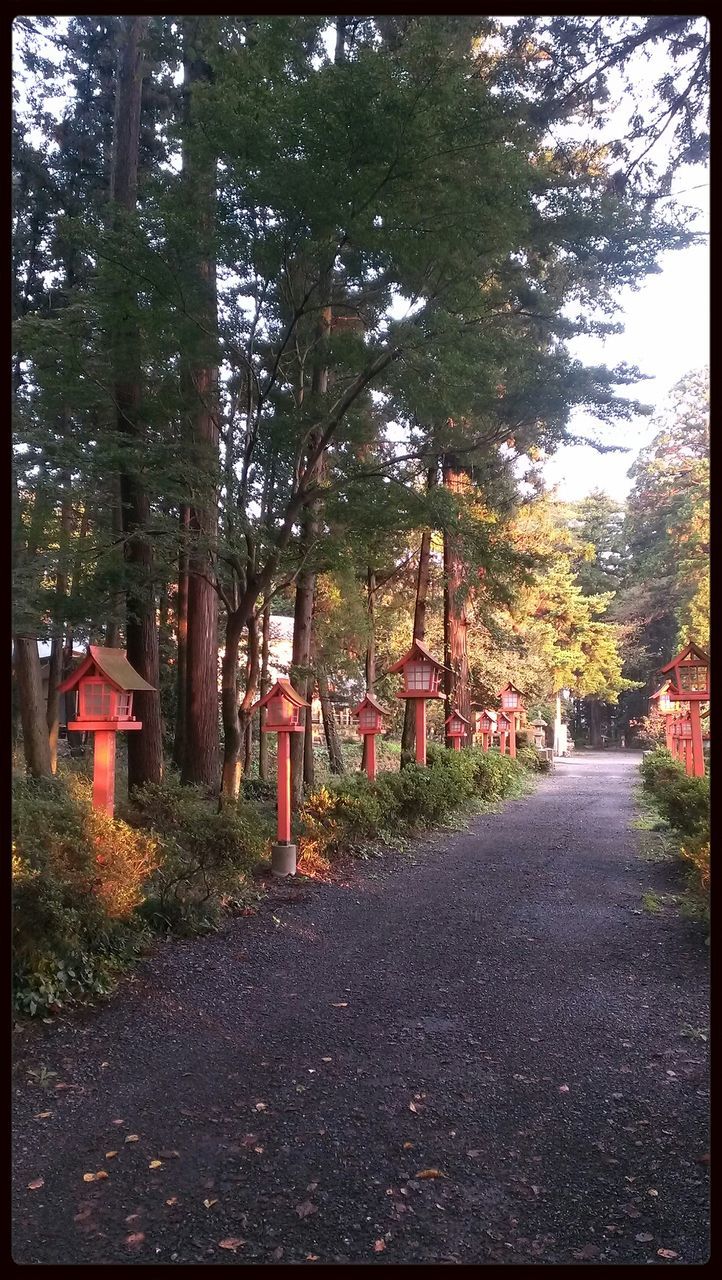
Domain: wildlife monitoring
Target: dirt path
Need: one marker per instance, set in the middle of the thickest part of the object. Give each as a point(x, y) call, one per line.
point(496, 1009)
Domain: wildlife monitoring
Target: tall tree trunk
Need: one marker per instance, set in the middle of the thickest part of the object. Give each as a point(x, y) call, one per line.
point(117, 603)
point(370, 663)
point(75, 740)
point(36, 744)
point(595, 722)
point(145, 748)
point(200, 763)
point(330, 728)
point(408, 735)
point(181, 641)
point(456, 678)
point(265, 686)
point(232, 734)
point(55, 666)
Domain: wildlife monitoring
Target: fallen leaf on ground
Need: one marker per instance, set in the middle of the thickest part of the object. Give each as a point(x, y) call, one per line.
point(379, 1246)
point(209, 1203)
point(261, 1106)
point(117, 1122)
point(564, 1088)
point(667, 1253)
point(231, 1243)
point(132, 1137)
point(408, 1146)
point(43, 1115)
point(430, 1173)
point(173, 1200)
point(277, 1252)
point(652, 1192)
point(88, 1177)
point(109, 1155)
point(475, 1151)
point(342, 1005)
point(100, 1175)
point(105, 1064)
point(644, 1237)
point(250, 1140)
point(169, 1155)
point(36, 1184)
point(137, 1237)
point(311, 1257)
point(305, 1208)
point(156, 1164)
point(323, 1060)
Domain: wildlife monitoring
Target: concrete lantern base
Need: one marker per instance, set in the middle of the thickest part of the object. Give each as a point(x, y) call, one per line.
point(283, 859)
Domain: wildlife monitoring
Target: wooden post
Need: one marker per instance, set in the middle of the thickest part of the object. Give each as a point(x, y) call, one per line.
point(512, 737)
point(502, 742)
point(370, 741)
point(420, 730)
point(104, 770)
point(695, 743)
point(284, 789)
point(668, 739)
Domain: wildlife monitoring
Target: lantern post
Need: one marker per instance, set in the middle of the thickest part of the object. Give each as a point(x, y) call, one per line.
point(422, 674)
point(456, 726)
point(370, 722)
point(283, 717)
point(105, 683)
point(505, 729)
point(512, 705)
point(689, 683)
point(487, 722)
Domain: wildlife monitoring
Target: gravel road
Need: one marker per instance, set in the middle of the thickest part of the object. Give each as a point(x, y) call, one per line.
point(495, 1008)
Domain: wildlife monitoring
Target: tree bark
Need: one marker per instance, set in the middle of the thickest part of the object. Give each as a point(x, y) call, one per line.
point(200, 763)
point(370, 663)
point(181, 641)
point(232, 735)
point(456, 678)
point(117, 606)
point(595, 722)
point(55, 666)
point(36, 743)
point(265, 686)
point(408, 734)
point(145, 748)
point(330, 728)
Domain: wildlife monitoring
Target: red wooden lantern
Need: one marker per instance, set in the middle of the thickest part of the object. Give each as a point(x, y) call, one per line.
point(422, 675)
point(505, 729)
point(512, 703)
point(370, 722)
point(487, 725)
point(689, 677)
point(456, 726)
point(283, 716)
point(105, 683)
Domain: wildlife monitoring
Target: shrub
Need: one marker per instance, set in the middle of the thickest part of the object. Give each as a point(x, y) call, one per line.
point(682, 800)
point(348, 812)
point(205, 854)
point(78, 879)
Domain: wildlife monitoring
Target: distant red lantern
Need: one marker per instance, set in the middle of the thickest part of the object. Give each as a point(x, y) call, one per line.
point(504, 727)
point(283, 716)
point(456, 726)
point(688, 673)
point(486, 727)
point(105, 683)
point(422, 676)
point(370, 722)
point(513, 705)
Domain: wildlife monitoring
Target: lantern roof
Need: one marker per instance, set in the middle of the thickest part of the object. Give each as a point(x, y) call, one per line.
point(456, 715)
point(369, 700)
point(691, 655)
point(501, 715)
point(417, 650)
point(282, 689)
point(490, 715)
point(663, 688)
point(539, 723)
point(112, 665)
point(510, 688)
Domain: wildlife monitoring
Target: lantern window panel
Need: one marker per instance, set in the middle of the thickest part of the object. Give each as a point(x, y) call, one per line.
point(96, 699)
point(510, 701)
point(693, 677)
point(125, 702)
point(369, 718)
point(420, 676)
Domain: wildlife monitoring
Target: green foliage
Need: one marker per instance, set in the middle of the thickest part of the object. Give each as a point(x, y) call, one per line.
point(87, 888)
point(530, 758)
point(78, 881)
point(206, 854)
point(683, 801)
point(348, 812)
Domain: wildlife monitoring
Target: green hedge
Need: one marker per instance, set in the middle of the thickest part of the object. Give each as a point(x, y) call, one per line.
point(349, 812)
point(684, 803)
